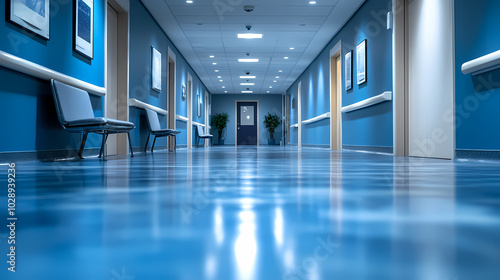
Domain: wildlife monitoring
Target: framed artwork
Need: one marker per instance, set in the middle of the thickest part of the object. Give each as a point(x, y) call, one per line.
point(155, 69)
point(361, 62)
point(348, 70)
point(199, 104)
point(32, 15)
point(83, 22)
point(183, 92)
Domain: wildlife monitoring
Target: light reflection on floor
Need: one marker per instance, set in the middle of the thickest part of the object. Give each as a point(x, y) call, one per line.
point(256, 213)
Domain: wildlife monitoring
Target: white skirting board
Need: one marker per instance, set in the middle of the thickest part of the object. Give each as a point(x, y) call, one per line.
point(27, 67)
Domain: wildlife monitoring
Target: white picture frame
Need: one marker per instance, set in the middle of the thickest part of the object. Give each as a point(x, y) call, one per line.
point(348, 70)
point(83, 24)
point(32, 15)
point(361, 62)
point(199, 104)
point(155, 69)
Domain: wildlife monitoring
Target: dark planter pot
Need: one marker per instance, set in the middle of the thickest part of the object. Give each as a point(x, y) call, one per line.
point(271, 141)
point(221, 141)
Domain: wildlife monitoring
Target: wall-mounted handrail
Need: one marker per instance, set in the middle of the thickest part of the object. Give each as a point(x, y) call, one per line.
point(38, 71)
point(317, 119)
point(386, 96)
point(184, 119)
point(483, 64)
point(313, 120)
point(142, 105)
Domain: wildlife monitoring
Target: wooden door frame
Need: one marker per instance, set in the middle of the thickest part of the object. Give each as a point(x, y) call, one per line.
point(335, 107)
point(236, 121)
point(171, 95)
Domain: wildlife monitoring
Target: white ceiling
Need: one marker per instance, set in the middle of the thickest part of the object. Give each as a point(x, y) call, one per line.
point(207, 28)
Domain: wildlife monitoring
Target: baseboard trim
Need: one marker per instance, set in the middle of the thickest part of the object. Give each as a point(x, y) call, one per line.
point(478, 154)
point(373, 149)
point(46, 155)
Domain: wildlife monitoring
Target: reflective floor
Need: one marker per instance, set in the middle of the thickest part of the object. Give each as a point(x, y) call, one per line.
point(255, 213)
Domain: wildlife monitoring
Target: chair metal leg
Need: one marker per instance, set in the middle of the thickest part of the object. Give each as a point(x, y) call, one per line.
point(82, 145)
point(104, 139)
point(130, 145)
point(153, 144)
point(147, 141)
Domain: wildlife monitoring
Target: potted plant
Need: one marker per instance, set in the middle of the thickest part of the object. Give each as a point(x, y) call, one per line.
point(271, 122)
point(219, 121)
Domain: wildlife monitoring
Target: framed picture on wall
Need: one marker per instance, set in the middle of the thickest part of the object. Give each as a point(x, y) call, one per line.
point(32, 15)
point(361, 62)
point(348, 70)
point(199, 104)
point(183, 92)
point(83, 22)
point(155, 69)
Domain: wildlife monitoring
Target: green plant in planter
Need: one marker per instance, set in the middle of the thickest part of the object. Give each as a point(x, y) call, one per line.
point(271, 122)
point(219, 121)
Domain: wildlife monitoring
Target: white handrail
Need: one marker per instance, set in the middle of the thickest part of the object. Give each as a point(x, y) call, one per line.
point(317, 119)
point(483, 64)
point(386, 96)
point(27, 67)
point(294, 125)
point(184, 119)
point(141, 105)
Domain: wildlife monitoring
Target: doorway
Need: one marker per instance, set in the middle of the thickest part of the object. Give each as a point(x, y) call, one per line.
point(117, 86)
point(207, 116)
point(190, 111)
point(171, 99)
point(247, 123)
point(336, 98)
point(288, 106)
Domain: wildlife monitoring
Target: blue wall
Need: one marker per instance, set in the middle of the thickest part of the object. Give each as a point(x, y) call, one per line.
point(29, 120)
point(144, 33)
point(372, 126)
point(477, 97)
point(225, 103)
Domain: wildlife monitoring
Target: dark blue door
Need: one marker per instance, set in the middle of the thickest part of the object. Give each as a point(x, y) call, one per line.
point(246, 123)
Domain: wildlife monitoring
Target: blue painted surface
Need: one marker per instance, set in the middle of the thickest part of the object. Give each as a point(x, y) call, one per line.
point(29, 120)
point(248, 213)
point(225, 103)
point(477, 98)
point(371, 126)
point(145, 33)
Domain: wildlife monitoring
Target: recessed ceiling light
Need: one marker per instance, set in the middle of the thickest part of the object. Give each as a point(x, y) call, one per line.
point(292, 48)
point(214, 63)
point(223, 86)
point(221, 81)
point(216, 71)
point(225, 91)
point(249, 36)
point(274, 81)
point(219, 77)
point(247, 84)
point(312, 2)
point(246, 91)
point(248, 60)
point(189, 1)
point(280, 71)
point(277, 77)
point(270, 86)
point(247, 77)
point(212, 56)
point(268, 91)
point(286, 57)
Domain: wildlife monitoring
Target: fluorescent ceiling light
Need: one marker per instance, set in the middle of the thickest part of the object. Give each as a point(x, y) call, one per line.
point(248, 60)
point(250, 36)
point(247, 77)
point(247, 84)
point(246, 91)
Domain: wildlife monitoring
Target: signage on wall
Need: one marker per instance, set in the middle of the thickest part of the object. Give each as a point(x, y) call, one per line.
point(33, 15)
point(83, 22)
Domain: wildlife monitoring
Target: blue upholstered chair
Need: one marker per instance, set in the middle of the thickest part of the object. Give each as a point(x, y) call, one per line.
point(155, 129)
point(201, 135)
point(75, 114)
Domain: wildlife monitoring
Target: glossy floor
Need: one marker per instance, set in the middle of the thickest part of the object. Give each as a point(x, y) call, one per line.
point(256, 213)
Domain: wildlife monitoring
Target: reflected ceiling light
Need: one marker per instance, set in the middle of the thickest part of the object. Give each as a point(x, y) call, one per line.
point(246, 91)
point(248, 60)
point(247, 84)
point(247, 77)
point(249, 36)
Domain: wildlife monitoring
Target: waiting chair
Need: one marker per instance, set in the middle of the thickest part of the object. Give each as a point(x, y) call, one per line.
point(75, 114)
point(155, 129)
point(202, 135)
